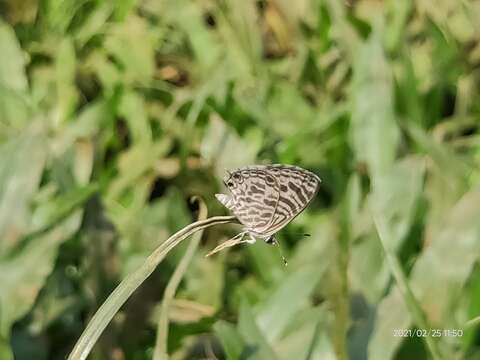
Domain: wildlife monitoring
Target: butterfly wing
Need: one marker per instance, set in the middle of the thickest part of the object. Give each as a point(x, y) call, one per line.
point(297, 189)
point(255, 194)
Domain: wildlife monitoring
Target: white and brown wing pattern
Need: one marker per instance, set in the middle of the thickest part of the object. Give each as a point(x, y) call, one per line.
point(297, 189)
point(265, 198)
point(255, 194)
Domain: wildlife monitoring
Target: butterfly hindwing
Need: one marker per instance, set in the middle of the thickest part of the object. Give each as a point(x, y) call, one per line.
point(297, 189)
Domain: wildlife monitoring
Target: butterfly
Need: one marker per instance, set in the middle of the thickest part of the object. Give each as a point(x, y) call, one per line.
point(265, 198)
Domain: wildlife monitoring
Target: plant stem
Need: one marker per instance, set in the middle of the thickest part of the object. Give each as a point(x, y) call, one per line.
point(161, 344)
point(413, 305)
point(119, 296)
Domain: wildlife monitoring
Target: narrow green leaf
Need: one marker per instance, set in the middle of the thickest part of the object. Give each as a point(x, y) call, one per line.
point(22, 160)
point(277, 310)
point(257, 343)
point(123, 291)
point(395, 196)
point(374, 134)
point(132, 108)
point(12, 61)
point(232, 342)
point(23, 275)
point(448, 266)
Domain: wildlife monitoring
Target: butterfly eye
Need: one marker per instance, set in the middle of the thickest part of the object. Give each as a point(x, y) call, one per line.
point(238, 178)
point(230, 183)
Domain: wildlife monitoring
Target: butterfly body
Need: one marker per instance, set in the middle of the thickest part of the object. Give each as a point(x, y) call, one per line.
point(265, 198)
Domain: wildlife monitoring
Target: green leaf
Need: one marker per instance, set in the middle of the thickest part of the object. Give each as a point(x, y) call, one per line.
point(368, 271)
point(449, 265)
point(395, 196)
point(22, 161)
point(12, 61)
point(392, 315)
point(132, 45)
point(59, 206)
point(306, 336)
point(94, 23)
point(395, 30)
point(437, 278)
point(232, 342)
point(450, 164)
point(14, 103)
point(293, 293)
point(257, 344)
point(188, 16)
point(132, 165)
point(238, 25)
point(93, 117)
point(23, 275)
point(285, 104)
point(65, 72)
point(132, 107)
point(374, 134)
point(205, 281)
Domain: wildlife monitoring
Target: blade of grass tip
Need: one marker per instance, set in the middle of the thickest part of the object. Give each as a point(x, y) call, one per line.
point(161, 348)
point(412, 303)
point(122, 292)
point(472, 322)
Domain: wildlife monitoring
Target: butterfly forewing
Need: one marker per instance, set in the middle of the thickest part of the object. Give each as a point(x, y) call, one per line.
point(255, 196)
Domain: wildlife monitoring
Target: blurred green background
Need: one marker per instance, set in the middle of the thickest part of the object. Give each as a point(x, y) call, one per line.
point(114, 113)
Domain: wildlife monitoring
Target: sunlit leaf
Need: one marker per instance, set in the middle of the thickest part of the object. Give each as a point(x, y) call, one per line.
point(257, 346)
point(395, 196)
point(374, 134)
point(22, 161)
point(278, 310)
point(13, 80)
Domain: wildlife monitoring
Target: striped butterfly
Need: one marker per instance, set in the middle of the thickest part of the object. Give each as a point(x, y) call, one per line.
point(265, 198)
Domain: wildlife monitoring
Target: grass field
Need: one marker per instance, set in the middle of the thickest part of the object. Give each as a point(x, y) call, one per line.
point(114, 114)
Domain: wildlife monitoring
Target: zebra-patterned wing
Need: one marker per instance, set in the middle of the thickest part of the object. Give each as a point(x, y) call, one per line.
point(254, 199)
point(297, 189)
point(226, 201)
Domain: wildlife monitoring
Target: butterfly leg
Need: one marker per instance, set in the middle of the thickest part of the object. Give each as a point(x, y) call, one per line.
point(237, 239)
point(252, 240)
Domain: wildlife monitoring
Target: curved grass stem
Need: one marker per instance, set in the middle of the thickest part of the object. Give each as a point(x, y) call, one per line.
point(124, 290)
point(161, 349)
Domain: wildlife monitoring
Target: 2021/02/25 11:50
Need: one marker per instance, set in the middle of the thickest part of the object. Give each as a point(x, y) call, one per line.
point(427, 332)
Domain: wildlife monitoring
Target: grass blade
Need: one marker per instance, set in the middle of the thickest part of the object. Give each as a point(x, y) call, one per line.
point(120, 295)
point(161, 344)
point(414, 307)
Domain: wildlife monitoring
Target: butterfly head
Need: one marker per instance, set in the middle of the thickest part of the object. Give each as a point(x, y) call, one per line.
point(235, 182)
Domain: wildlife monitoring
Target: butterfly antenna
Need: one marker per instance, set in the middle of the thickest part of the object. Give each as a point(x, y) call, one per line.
point(302, 234)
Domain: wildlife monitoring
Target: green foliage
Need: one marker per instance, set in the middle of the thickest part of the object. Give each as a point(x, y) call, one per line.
point(113, 114)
